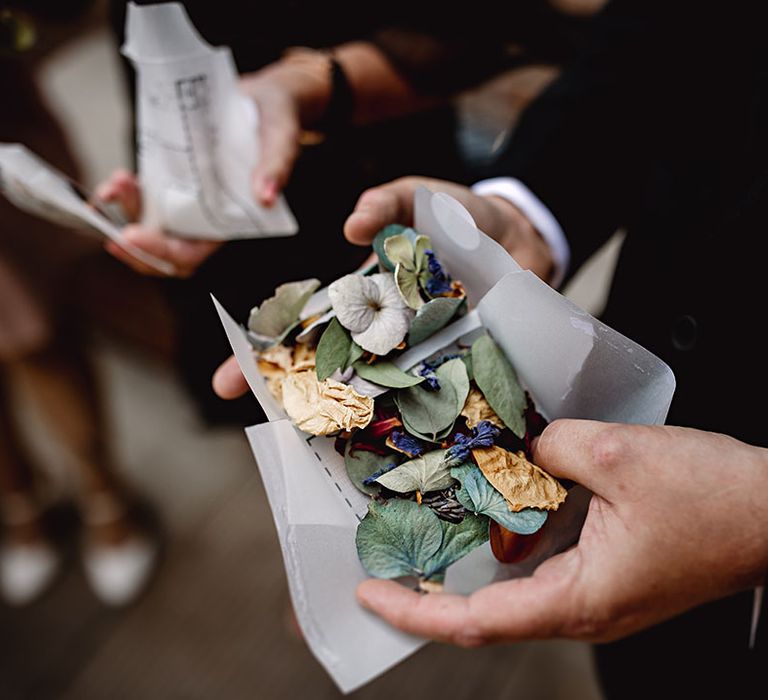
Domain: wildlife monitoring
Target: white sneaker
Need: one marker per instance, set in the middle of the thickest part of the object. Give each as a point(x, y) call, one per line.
point(26, 571)
point(119, 573)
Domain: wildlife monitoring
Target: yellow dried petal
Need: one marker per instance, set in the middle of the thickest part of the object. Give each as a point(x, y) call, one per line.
point(275, 387)
point(522, 483)
point(303, 357)
point(275, 361)
point(477, 409)
point(323, 408)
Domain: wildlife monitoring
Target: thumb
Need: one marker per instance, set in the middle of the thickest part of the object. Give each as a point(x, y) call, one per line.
point(378, 207)
point(538, 607)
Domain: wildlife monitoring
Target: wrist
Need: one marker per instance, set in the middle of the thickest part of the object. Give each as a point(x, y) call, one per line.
point(521, 238)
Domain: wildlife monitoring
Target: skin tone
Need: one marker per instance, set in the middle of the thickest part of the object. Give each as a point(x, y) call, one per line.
point(664, 533)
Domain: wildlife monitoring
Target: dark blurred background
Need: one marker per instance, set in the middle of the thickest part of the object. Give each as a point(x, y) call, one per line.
point(215, 619)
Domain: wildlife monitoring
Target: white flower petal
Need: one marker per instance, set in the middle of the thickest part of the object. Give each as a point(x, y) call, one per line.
point(386, 332)
point(389, 296)
point(351, 298)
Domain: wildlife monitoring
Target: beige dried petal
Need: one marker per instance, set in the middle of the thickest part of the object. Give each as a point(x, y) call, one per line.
point(275, 387)
point(477, 409)
point(303, 358)
point(522, 483)
point(275, 361)
point(323, 408)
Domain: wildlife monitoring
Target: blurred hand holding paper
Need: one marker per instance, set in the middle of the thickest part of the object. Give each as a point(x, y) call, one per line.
point(36, 187)
point(571, 364)
point(197, 133)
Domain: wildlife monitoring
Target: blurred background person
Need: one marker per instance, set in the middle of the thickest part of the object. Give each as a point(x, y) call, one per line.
point(42, 346)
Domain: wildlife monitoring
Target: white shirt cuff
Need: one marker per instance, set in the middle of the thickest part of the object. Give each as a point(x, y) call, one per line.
point(537, 213)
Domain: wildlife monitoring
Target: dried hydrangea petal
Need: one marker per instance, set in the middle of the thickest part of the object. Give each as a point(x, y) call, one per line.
point(522, 483)
point(477, 409)
point(323, 408)
point(355, 299)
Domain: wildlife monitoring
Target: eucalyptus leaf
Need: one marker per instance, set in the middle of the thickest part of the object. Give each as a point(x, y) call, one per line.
point(333, 350)
point(496, 378)
point(431, 317)
point(432, 413)
point(478, 495)
point(408, 285)
point(386, 373)
point(438, 438)
point(467, 360)
point(425, 473)
point(459, 539)
point(398, 538)
point(380, 239)
point(282, 310)
point(455, 372)
point(361, 464)
point(355, 353)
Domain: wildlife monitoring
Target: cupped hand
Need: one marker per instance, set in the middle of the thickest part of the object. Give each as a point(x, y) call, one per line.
point(392, 203)
point(678, 518)
point(185, 255)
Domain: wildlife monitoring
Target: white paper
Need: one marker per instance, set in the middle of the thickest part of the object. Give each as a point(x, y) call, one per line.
point(38, 188)
point(197, 133)
point(573, 365)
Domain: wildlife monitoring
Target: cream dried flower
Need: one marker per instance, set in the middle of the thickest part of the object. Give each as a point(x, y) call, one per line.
point(372, 310)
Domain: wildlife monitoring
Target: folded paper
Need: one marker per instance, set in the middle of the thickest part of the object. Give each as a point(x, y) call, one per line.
point(572, 365)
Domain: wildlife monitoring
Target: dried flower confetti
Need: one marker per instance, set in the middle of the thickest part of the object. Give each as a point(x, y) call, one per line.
point(323, 408)
point(477, 409)
point(522, 483)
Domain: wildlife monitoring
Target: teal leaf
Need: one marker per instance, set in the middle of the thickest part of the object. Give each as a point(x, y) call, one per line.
point(425, 473)
point(281, 311)
point(378, 244)
point(496, 378)
point(407, 282)
point(361, 464)
point(479, 496)
point(459, 539)
point(398, 538)
point(386, 373)
point(333, 350)
point(431, 317)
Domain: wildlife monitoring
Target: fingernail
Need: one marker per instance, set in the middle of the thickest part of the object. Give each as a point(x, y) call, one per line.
point(269, 191)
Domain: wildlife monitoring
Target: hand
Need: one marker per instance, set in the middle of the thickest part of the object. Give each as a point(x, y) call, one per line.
point(185, 255)
point(393, 204)
point(678, 518)
point(228, 380)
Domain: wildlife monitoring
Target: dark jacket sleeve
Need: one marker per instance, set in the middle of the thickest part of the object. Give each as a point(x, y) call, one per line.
point(585, 145)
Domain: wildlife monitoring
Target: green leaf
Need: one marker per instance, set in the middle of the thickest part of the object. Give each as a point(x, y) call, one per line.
point(378, 244)
point(431, 414)
point(355, 353)
point(496, 378)
point(431, 317)
point(455, 372)
point(398, 538)
point(333, 350)
point(459, 539)
point(399, 250)
point(386, 373)
point(361, 464)
point(425, 473)
point(281, 311)
point(407, 282)
point(467, 360)
point(478, 495)
point(438, 438)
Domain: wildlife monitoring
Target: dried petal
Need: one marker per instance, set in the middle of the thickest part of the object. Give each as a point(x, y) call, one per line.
point(523, 484)
point(323, 408)
point(355, 299)
point(477, 409)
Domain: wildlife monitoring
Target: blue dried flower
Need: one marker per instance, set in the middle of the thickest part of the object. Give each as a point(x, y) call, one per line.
point(407, 443)
point(431, 382)
point(439, 281)
point(483, 435)
point(371, 480)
